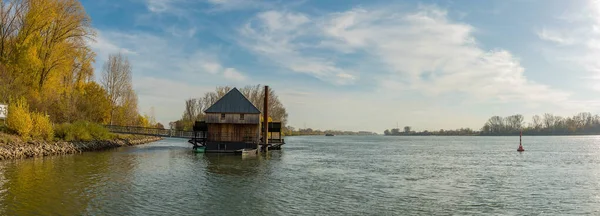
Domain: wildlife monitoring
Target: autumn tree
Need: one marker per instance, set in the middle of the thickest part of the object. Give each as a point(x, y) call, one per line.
point(93, 104)
point(152, 117)
point(496, 124)
point(256, 95)
point(126, 113)
point(46, 59)
point(514, 123)
point(117, 81)
point(536, 122)
point(548, 121)
point(43, 50)
point(64, 29)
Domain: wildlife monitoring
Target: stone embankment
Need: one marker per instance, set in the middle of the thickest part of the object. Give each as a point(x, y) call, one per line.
point(16, 149)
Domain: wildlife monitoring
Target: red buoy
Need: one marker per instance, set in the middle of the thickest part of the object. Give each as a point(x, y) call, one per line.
point(520, 149)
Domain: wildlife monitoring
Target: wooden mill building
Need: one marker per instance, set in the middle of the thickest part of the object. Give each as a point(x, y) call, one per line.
point(233, 123)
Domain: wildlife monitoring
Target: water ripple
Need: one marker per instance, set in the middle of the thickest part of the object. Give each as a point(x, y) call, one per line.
point(342, 175)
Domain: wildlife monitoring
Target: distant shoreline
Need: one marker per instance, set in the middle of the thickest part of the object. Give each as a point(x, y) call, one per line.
point(334, 134)
point(503, 135)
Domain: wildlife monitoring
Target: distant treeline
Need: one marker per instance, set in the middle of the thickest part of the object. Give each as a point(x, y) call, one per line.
point(291, 131)
point(548, 124)
point(408, 132)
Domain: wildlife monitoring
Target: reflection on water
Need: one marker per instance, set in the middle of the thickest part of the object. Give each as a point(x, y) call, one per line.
point(231, 164)
point(342, 175)
point(61, 185)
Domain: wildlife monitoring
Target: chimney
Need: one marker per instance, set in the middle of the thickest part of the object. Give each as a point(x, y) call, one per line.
point(266, 118)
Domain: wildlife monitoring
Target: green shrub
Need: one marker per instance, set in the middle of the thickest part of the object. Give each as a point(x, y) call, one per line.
point(82, 131)
point(42, 127)
point(4, 128)
point(18, 118)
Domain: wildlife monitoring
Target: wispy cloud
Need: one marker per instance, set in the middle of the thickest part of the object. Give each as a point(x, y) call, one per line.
point(424, 50)
point(411, 63)
point(183, 6)
point(434, 54)
point(576, 39)
point(164, 70)
point(228, 5)
point(159, 6)
point(167, 96)
point(233, 74)
point(555, 37)
point(103, 47)
point(278, 37)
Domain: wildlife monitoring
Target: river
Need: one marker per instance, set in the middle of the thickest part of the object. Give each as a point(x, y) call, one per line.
point(316, 175)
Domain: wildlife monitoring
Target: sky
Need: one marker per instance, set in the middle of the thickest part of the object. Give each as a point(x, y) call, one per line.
point(361, 65)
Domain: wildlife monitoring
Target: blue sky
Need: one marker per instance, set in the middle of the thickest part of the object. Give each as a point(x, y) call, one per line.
point(362, 65)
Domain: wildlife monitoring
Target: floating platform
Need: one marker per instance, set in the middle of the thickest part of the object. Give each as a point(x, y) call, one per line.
point(247, 152)
point(199, 149)
point(197, 141)
point(276, 146)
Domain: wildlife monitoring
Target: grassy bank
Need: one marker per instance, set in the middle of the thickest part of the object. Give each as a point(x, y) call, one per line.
point(25, 136)
point(13, 147)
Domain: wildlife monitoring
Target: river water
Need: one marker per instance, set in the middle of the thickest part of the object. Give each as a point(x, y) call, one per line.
point(318, 175)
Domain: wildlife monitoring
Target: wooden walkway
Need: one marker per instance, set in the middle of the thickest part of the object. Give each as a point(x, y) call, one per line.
point(151, 131)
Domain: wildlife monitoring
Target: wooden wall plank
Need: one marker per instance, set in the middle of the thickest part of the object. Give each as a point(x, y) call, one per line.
point(233, 118)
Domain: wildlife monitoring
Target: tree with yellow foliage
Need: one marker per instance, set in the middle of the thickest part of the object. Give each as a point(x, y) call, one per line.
point(43, 52)
point(45, 60)
point(93, 104)
point(18, 118)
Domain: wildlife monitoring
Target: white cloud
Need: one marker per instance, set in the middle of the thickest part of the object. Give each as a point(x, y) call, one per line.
point(164, 73)
point(273, 35)
point(233, 74)
point(577, 40)
point(556, 37)
point(103, 47)
point(228, 5)
point(169, 94)
point(158, 6)
point(436, 55)
point(182, 32)
point(211, 67)
point(424, 51)
point(285, 22)
point(396, 55)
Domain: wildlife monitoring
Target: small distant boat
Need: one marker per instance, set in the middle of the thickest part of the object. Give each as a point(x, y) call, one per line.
point(329, 134)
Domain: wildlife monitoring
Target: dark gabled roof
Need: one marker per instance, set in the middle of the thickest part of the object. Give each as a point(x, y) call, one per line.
point(233, 102)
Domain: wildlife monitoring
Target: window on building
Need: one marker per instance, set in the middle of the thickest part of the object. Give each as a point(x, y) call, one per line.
point(241, 116)
point(222, 116)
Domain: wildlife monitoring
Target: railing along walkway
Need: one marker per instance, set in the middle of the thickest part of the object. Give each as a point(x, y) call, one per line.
point(151, 131)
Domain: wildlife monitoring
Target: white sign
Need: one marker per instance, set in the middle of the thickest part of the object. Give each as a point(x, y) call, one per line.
point(3, 111)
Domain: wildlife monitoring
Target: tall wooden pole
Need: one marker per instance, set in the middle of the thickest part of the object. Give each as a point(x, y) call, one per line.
point(266, 119)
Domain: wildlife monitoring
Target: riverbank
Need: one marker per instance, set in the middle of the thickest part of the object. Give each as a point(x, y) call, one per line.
point(13, 147)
